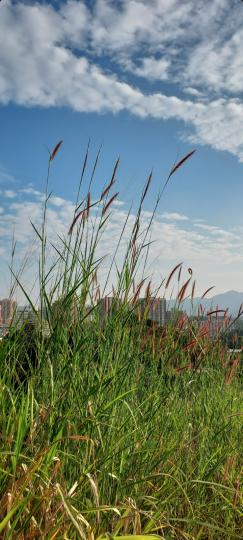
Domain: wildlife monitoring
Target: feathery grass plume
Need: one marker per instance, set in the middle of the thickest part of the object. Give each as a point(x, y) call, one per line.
point(173, 170)
point(85, 216)
point(171, 274)
point(54, 152)
point(75, 220)
point(106, 190)
point(240, 310)
point(135, 231)
point(85, 210)
point(115, 169)
point(94, 168)
point(112, 181)
point(107, 206)
point(180, 163)
point(146, 187)
point(193, 289)
point(136, 295)
point(207, 291)
point(148, 290)
point(182, 291)
point(216, 312)
point(88, 202)
point(84, 165)
point(233, 369)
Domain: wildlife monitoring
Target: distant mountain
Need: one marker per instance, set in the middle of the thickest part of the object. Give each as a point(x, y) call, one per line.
point(230, 299)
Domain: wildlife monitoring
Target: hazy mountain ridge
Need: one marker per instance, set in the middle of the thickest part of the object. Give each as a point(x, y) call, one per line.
point(230, 300)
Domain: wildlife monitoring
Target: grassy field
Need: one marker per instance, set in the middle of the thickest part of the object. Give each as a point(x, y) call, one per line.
point(114, 428)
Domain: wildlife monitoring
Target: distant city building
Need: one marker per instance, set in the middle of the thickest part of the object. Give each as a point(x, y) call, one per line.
point(8, 307)
point(154, 309)
point(213, 326)
point(104, 307)
point(173, 315)
point(24, 314)
point(26, 318)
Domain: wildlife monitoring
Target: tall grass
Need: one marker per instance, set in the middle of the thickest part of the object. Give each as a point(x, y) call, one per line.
point(116, 428)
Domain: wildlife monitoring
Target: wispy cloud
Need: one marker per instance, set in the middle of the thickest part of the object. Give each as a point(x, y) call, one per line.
point(174, 216)
point(6, 177)
point(9, 193)
point(203, 246)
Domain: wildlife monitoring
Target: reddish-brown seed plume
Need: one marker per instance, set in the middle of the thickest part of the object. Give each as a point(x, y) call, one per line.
point(115, 169)
point(109, 204)
point(107, 189)
point(232, 370)
point(148, 290)
point(75, 220)
point(136, 295)
point(215, 312)
point(171, 274)
point(240, 311)
point(182, 291)
point(88, 205)
point(146, 187)
point(193, 289)
point(177, 165)
point(207, 291)
point(54, 152)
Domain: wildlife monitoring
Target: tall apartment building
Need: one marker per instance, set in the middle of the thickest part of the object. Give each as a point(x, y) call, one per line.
point(24, 314)
point(8, 307)
point(154, 308)
point(25, 318)
point(104, 307)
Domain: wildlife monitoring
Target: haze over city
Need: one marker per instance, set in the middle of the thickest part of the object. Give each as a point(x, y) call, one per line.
point(150, 81)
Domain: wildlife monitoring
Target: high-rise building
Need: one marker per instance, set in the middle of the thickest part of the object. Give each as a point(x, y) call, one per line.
point(30, 321)
point(24, 314)
point(8, 307)
point(104, 307)
point(154, 309)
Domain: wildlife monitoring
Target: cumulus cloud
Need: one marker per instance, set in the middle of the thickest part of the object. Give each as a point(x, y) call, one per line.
point(152, 69)
point(50, 56)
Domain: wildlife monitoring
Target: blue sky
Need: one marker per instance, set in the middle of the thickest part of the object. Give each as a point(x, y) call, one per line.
point(149, 81)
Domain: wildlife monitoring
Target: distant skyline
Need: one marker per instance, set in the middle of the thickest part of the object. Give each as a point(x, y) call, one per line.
point(150, 81)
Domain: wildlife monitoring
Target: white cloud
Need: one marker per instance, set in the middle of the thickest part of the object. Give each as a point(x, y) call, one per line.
point(5, 177)
point(218, 64)
point(50, 57)
point(174, 216)
point(174, 239)
point(9, 193)
point(152, 69)
point(193, 91)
